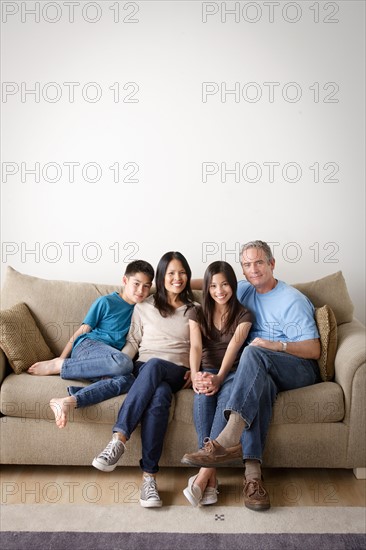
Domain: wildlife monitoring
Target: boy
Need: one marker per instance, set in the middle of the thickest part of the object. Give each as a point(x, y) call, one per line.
point(93, 352)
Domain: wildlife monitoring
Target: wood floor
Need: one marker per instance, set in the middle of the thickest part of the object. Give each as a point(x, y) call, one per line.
point(85, 485)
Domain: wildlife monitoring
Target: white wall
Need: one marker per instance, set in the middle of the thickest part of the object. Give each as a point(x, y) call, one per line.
point(297, 72)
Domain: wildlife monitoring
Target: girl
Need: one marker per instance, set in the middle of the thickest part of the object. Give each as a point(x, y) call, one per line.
point(218, 332)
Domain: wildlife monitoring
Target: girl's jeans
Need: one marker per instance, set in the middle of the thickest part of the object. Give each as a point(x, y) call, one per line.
point(208, 411)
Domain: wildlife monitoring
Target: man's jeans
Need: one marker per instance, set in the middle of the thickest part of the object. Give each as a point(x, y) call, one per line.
point(93, 360)
point(208, 410)
point(148, 402)
point(261, 374)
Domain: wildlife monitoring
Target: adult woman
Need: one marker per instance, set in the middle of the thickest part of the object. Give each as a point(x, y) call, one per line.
point(160, 335)
point(218, 332)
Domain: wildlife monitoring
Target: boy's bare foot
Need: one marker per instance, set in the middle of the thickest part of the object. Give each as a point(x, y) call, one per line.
point(61, 408)
point(45, 368)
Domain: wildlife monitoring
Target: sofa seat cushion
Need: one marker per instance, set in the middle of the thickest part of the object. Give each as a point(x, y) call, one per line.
point(27, 396)
point(323, 402)
point(320, 403)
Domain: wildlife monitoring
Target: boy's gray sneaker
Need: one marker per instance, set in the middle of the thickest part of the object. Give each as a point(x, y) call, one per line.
point(107, 460)
point(149, 493)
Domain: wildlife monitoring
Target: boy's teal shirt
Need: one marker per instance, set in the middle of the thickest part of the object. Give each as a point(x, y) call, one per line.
point(110, 320)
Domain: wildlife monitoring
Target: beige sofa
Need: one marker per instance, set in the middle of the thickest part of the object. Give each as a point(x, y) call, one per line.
point(319, 426)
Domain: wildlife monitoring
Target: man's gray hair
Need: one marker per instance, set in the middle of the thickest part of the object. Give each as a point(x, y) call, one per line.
point(261, 245)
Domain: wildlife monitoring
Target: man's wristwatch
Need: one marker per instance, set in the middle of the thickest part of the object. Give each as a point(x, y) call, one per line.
point(284, 346)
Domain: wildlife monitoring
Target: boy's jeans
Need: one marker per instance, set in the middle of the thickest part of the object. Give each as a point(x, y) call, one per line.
point(93, 360)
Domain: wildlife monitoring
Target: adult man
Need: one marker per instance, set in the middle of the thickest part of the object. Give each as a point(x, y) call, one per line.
point(284, 346)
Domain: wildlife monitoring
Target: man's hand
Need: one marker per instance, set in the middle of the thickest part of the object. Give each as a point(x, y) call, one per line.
point(268, 344)
point(306, 349)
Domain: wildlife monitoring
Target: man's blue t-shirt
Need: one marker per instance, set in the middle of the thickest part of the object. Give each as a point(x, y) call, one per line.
point(110, 319)
point(282, 314)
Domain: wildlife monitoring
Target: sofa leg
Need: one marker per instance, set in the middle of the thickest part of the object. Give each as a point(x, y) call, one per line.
point(360, 473)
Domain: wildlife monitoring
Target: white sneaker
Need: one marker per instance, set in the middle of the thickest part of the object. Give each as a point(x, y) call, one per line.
point(149, 493)
point(192, 492)
point(210, 495)
point(107, 460)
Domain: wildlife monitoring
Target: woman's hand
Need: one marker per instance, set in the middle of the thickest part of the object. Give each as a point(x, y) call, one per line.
point(201, 382)
point(206, 383)
point(188, 381)
point(215, 384)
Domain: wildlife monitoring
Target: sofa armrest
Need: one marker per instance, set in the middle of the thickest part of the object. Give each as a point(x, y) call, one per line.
point(3, 366)
point(350, 355)
point(350, 374)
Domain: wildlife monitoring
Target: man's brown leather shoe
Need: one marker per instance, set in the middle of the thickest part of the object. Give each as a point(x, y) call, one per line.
point(255, 495)
point(212, 454)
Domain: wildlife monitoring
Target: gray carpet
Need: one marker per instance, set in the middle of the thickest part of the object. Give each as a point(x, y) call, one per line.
point(179, 541)
point(130, 518)
point(130, 527)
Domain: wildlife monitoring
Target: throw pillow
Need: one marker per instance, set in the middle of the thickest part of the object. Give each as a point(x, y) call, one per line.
point(327, 327)
point(21, 340)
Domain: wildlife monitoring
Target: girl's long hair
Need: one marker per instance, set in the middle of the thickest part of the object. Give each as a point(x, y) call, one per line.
point(206, 319)
point(161, 295)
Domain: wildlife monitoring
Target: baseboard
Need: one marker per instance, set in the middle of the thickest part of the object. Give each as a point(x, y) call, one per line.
point(359, 473)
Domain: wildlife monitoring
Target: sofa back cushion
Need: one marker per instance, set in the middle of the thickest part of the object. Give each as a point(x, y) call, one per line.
point(330, 290)
point(58, 307)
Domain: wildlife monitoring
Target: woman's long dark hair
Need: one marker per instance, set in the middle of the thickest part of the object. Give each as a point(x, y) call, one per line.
point(208, 303)
point(161, 295)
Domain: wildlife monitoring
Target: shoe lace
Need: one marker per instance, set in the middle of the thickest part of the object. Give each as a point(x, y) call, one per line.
point(111, 450)
point(211, 491)
point(255, 486)
point(149, 488)
point(208, 445)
